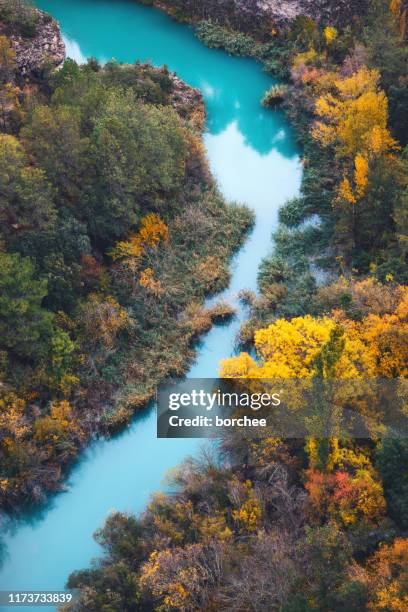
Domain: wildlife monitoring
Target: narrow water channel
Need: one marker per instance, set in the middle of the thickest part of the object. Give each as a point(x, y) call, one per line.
point(253, 155)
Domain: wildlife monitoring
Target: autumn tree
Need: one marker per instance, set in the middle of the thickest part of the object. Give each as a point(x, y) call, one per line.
point(354, 121)
point(288, 349)
point(354, 118)
point(352, 497)
point(102, 319)
point(151, 232)
point(386, 577)
point(373, 346)
point(58, 429)
point(177, 577)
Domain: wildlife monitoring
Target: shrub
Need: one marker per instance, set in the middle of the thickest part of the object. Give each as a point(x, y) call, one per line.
point(274, 96)
point(19, 15)
point(219, 37)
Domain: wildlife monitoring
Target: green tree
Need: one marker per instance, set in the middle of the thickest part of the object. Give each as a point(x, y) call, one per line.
point(392, 461)
point(401, 211)
point(25, 327)
point(327, 553)
point(54, 138)
point(61, 361)
point(389, 53)
point(25, 195)
point(58, 252)
point(139, 153)
point(79, 87)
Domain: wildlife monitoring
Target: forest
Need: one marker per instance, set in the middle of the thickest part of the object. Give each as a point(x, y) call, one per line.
point(111, 227)
point(112, 234)
point(295, 525)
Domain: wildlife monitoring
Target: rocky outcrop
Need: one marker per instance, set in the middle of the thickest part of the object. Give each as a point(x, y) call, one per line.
point(258, 16)
point(336, 12)
point(187, 101)
point(328, 11)
point(46, 46)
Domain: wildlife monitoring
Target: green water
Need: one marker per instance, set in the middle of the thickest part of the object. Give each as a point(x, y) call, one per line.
point(253, 155)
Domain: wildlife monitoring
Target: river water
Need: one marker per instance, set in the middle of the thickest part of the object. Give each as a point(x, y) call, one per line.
point(254, 157)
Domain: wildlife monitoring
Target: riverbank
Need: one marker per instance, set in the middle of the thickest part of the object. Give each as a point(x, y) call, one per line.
point(260, 18)
point(113, 290)
point(317, 523)
point(246, 146)
point(318, 240)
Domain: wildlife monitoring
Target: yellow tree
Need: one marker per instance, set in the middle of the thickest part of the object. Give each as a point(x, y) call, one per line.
point(332, 347)
point(152, 231)
point(353, 119)
point(288, 349)
point(376, 346)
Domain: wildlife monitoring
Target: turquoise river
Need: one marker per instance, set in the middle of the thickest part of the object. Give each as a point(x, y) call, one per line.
point(252, 153)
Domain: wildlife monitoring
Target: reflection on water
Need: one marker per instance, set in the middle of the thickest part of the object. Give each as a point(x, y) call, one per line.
point(250, 174)
point(253, 155)
point(126, 31)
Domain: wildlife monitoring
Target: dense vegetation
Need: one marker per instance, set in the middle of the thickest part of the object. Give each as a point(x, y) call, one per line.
point(18, 17)
point(110, 234)
point(291, 525)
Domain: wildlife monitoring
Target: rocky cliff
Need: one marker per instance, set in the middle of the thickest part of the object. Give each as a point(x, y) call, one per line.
point(33, 52)
point(260, 15)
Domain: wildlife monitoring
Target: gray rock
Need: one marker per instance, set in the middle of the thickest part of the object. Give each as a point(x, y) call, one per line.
point(46, 46)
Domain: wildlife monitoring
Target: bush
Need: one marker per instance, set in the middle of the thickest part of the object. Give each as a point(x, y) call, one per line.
point(219, 37)
point(274, 96)
point(19, 15)
point(292, 212)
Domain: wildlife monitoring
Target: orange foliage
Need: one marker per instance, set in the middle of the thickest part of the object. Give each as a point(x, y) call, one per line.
point(148, 281)
point(152, 231)
point(387, 577)
point(348, 498)
point(367, 296)
point(103, 319)
point(58, 425)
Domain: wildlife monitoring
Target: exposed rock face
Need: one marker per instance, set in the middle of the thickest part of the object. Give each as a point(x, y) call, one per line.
point(276, 10)
point(186, 100)
point(329, 11)
point(46, 45)
point(258, 15)
point(245, 15)
point(337, 12)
